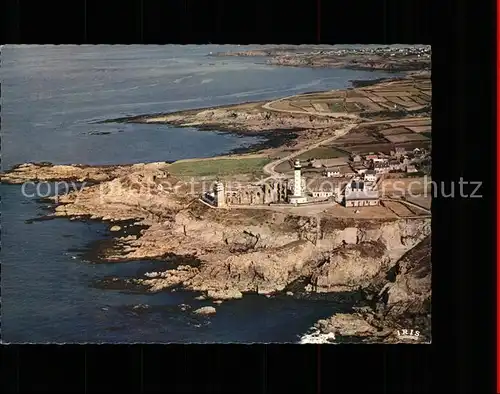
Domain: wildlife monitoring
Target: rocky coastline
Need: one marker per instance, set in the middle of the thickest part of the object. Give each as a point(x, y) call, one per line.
point(377, 59)
point(277, 130)
point(249, 119)
point(225, 254)
point(398, 305)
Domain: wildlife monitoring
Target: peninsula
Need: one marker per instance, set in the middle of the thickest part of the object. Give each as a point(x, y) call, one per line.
point(321, 207)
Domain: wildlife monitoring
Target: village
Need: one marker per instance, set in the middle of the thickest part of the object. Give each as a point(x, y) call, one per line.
point(353, 185)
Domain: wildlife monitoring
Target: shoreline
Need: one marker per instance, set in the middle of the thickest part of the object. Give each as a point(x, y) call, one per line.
point(271, 140)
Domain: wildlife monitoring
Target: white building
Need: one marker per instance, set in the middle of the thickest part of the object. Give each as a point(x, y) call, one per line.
point(332, 173)
point(361, 199)
point(357, 195)
point(381, 168)
point(323, 193)
point(324, 187)
point(356, 158)
point(370, 176)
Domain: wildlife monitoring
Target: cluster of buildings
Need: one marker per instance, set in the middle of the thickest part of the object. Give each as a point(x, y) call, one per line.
point(399, 160)
point(421, 51)
point(355, 186)
point(358, 192)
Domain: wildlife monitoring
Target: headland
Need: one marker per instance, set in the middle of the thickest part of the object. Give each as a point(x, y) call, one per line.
point(258, 242)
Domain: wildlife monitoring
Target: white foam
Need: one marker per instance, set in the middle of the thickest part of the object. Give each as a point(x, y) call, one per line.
point(316, 337)
point(179, 80)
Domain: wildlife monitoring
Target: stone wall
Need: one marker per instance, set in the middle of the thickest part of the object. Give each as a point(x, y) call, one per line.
point(258, 194)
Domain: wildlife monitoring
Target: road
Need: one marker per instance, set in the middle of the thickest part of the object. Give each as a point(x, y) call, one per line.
point(405, 120)
point(269, 168)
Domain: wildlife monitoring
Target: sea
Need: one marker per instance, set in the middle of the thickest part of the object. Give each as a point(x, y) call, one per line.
point(53, 98)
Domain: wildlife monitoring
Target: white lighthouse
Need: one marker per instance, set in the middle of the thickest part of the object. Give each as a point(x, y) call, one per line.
point(220, 198)
point(297, 197)
point(297, 177)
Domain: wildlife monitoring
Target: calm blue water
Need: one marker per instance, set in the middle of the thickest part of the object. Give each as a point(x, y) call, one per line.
point(51, 95)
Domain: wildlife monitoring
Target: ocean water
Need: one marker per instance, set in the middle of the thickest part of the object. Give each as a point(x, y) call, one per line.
point(52, 97)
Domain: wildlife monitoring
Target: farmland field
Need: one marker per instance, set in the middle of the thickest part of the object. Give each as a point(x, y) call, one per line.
point(395, 139)
point(218, 166)
point(323, 152)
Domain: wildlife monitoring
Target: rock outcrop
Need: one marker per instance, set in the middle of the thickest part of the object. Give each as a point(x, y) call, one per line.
point(268, 257)
point(252, 118)
point(399, 304)
point(47, 172)
point(205, 310)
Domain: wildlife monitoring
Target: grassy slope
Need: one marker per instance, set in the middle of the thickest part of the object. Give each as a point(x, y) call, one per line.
point(219, 166)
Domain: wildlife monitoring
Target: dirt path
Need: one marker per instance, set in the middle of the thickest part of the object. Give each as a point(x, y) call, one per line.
point(269, 107)
point(398, 121)
point(269, 168)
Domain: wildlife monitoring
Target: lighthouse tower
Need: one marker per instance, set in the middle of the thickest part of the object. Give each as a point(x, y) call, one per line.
point(298, 197)
point(297, 186)
point(220, 198)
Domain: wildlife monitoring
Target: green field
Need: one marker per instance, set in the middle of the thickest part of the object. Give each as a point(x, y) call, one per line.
point(337, 106)
point(322, 152)
point(219, 167)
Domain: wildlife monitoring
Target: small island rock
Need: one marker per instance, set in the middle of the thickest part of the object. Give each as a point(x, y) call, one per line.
point(205, 310)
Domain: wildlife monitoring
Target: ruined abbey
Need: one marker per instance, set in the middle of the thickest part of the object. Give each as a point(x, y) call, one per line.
point(273, 192)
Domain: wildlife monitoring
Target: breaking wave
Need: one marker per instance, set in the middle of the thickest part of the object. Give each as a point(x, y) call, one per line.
point(314, 336)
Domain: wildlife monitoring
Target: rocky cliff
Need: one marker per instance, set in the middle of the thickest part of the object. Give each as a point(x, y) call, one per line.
point(399, 303)
point(235, 254)
point(227, 252)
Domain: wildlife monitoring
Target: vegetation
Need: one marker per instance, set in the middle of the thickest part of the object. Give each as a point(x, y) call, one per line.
point(322, 152)
point(219, 166)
